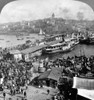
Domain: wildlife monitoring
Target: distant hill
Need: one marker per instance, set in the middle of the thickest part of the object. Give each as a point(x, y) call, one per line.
point(48, 25)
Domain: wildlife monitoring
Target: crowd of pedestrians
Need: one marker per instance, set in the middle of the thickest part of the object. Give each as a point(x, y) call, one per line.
point(77, 65)
point(15, 75)
point(80, 66)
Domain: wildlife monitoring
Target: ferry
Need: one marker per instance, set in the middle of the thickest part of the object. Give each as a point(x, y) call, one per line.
point(58, 47)
point(74, 41)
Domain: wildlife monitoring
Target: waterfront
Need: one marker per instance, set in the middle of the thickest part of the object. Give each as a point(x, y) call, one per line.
point(43, 50)
point(79, 50)
point(13, 40)
point(21, 72)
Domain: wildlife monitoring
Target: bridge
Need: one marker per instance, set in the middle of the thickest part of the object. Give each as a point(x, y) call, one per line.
point(34, 49)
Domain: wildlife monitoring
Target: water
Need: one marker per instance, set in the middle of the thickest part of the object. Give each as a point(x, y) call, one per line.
point(87, 50)
point(11, 40)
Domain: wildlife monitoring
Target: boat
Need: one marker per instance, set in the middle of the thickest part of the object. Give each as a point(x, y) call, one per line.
point(63, 47)
point(41, 32)
point(83, 40)
point(88, 41)
point(74, 41)
point(20, 38)
point(1, 39)
point(30, 37)
point(91, 40)
point(7, 41)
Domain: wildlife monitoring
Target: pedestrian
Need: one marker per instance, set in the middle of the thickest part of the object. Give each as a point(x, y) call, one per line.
point(22, 98)
point(53, 98)
point(10, 98)
point(11, 91)
point(17, 99)
point(21, 90)
point(48, 91)
point(26, 86)
point(14, 92)
point(4, 95)
point(24, 93)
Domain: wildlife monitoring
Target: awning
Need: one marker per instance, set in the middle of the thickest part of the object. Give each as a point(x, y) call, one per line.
point(89, 94)
point(83, 83)
point(85, 87)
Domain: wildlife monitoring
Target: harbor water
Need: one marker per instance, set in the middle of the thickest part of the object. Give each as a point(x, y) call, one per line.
point(12, 40)
point(80, 49)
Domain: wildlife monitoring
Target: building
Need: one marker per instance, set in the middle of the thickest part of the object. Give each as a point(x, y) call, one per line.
point(31, 52)
point(16, 55)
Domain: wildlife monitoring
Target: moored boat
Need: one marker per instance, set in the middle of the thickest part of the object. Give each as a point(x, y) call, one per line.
point(74, 41)
point(63, 47)
point(7, 41)
point(83, 40)
point(88, 41)
point(20, 38)
point(1, 39)
point(91, 40)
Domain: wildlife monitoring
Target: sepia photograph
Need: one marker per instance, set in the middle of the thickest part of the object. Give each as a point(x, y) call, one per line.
point(46, 49)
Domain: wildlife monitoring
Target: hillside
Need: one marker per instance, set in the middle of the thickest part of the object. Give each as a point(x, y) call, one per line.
point(48, 25)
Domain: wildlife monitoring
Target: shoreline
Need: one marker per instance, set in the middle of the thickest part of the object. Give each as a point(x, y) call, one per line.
point(13, 39)
point(17, 33)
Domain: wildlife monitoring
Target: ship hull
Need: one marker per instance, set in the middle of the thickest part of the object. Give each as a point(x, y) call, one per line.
point(87, 41)
point(62, 47)
point(56, 51)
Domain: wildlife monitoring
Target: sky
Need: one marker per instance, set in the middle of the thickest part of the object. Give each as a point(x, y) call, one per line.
point(20, 10)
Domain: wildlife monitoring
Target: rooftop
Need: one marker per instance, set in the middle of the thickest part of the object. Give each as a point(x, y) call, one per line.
point(32, 49)
point(14, 52)
point(39, 47)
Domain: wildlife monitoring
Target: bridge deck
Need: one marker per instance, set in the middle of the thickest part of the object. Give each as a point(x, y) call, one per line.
point(33, 49)
point(39, 47)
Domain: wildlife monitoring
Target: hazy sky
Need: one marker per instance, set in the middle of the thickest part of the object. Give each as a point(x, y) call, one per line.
point(38, 9)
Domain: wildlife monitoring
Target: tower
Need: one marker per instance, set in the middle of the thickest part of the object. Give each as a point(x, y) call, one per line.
point(53, 19)
point(53, 15)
